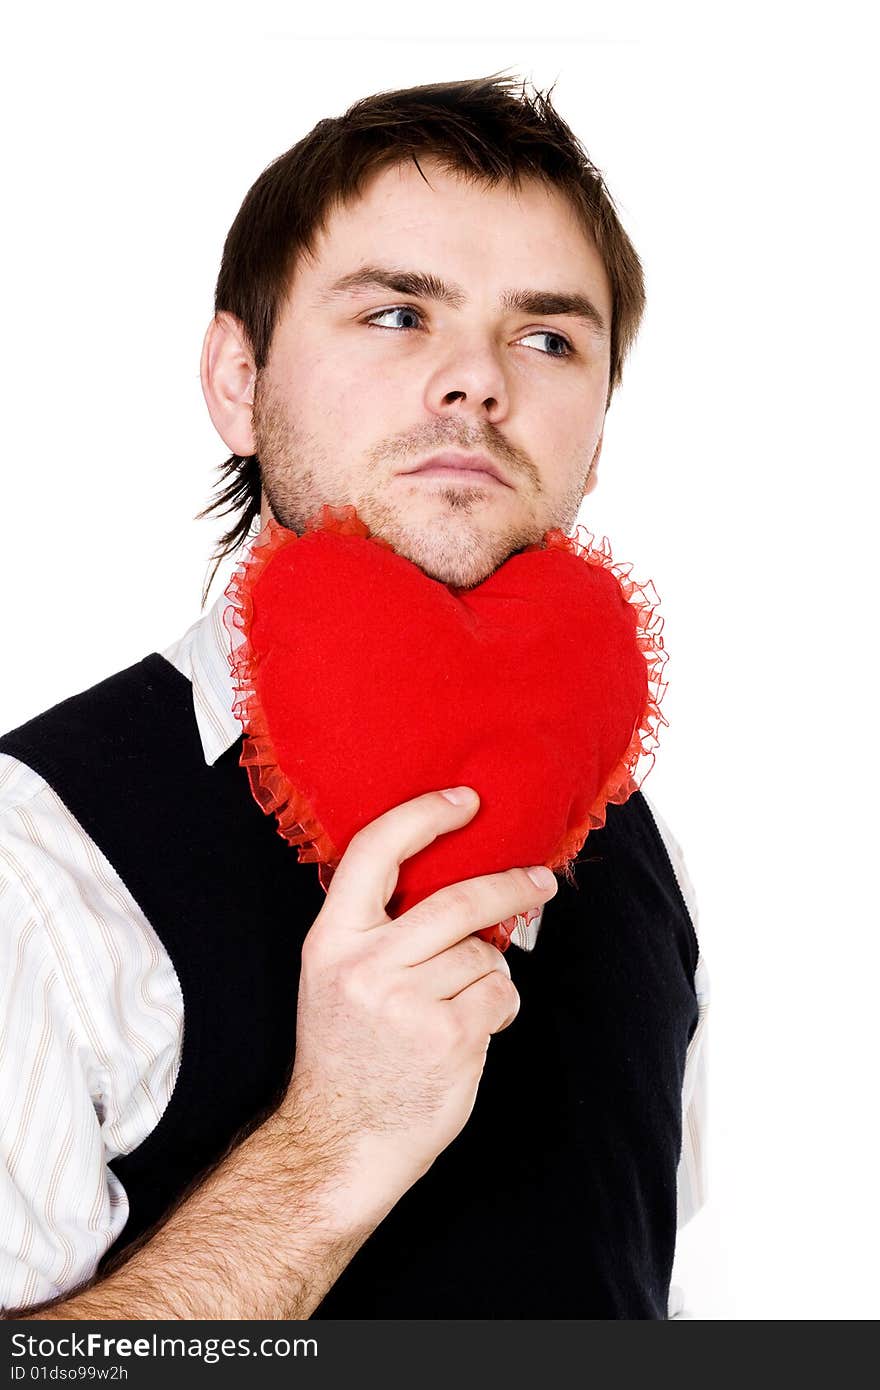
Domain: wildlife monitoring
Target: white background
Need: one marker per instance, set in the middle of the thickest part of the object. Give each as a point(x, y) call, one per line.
point(738, 472)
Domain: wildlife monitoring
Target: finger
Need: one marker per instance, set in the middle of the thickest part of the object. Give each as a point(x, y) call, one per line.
point(487, 1006)
point(447, 974)
point(366, 876)
point(452, 913)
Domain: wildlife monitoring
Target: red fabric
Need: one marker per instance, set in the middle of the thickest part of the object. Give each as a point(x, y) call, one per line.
point(362, 683)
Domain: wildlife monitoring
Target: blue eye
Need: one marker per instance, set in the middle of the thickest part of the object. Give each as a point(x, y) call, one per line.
point(406, 309)
point(562, 348)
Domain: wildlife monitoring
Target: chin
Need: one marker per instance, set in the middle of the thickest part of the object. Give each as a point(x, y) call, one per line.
point(455, 550)
point(453, 578)
point(462, 566)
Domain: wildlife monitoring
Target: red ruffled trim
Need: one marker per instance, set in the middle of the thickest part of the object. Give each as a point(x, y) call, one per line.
point(297, 822)
point(631, 770)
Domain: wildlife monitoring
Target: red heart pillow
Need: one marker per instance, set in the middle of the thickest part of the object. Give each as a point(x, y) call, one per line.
point(363, 683)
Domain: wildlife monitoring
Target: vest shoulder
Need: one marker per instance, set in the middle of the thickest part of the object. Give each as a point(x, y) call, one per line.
point(623, 820)
point(115, 690)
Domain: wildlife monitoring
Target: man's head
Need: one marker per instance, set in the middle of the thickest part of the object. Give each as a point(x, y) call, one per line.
point(440, 270)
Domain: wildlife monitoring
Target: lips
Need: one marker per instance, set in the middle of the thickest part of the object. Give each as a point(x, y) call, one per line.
point(455, 463)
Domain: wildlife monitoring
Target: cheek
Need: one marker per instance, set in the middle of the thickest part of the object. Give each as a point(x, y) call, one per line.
point(560, 400)
point(570, 426)
point(345, 398)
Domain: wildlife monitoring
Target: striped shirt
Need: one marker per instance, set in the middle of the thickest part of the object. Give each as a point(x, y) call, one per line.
point(92, 1016)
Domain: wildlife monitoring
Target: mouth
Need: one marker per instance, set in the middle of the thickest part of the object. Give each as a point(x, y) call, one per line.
point(474, 469)
point(469, 477)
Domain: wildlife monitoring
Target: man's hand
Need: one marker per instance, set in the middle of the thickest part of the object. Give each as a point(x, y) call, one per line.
point(395, 1017)
point(394, 1021)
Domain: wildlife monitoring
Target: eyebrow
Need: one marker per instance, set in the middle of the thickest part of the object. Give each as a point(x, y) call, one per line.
point(422, 285)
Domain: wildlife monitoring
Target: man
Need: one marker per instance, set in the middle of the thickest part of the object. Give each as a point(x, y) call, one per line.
point(228, 1095)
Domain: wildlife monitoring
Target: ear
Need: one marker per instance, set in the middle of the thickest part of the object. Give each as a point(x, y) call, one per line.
point(228, 375)
point(592, 476)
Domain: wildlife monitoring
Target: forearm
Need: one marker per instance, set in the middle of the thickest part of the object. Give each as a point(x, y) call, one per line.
point(263, 1237)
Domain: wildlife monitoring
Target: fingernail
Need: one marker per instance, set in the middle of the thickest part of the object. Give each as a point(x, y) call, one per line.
point(459, 796)
point(541, 876)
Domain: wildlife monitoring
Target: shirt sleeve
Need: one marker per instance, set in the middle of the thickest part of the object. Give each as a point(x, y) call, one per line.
point(692, 1177)
point(82, 1077)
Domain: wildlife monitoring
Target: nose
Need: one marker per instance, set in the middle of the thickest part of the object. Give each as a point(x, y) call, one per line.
point(469, 381)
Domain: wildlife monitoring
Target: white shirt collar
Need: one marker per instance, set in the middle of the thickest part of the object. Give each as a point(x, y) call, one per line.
point(202, 655)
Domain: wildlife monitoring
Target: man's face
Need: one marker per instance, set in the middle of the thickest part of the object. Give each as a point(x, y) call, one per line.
point(367, 380)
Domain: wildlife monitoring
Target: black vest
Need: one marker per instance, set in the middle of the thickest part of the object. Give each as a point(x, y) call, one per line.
point(558, 1198)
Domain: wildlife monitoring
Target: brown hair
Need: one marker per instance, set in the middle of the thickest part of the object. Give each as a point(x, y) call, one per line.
point(481, 129)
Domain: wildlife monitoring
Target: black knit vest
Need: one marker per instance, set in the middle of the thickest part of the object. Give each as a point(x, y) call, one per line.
point(558, 1198)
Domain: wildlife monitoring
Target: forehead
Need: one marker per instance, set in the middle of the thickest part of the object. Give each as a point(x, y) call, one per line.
point(447, 223)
